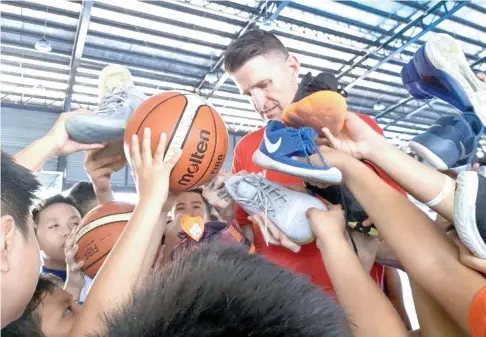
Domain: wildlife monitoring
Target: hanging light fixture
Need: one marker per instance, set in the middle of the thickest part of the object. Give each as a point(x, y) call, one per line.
point(379, 106)
point(43, 45)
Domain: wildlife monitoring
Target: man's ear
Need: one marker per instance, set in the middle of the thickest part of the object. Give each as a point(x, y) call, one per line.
point(294, 64)
point(7, 234)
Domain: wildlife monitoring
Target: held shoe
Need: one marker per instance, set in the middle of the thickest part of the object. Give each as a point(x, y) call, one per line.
point(317, 104)
point(442, 65)
point(280, 144)
point(452, 141)
point(119, 98)
point(284, 207)
point(470, 213)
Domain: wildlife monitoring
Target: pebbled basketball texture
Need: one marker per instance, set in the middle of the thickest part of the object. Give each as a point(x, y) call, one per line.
point(98, 232)
point(191, 125)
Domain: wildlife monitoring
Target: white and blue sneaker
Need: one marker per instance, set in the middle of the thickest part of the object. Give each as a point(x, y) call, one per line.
point(280, 144)
point(284, 207)
point(451, 142)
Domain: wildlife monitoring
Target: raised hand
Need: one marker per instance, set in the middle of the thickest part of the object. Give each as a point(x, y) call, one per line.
point(273, 234)
point(75, 277)
point(152, 172)
point(356, 138)
point(60, 138)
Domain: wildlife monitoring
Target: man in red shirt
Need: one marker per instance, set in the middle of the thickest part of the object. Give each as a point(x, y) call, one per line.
point(265, 72)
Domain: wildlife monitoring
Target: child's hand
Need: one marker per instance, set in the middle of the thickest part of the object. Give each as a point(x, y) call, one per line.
point(466, 257)
point(327, 225)
point(75, 278)
point(152, 173)
point(356, 138)
point(100, 170)
point(59, 137)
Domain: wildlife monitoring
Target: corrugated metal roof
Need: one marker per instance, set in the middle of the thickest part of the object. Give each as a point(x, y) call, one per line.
point(176, 44)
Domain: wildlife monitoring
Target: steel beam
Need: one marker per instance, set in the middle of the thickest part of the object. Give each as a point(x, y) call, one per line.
point(413, 24)
point(215, 69)
point(432, 101)
point(79, 41)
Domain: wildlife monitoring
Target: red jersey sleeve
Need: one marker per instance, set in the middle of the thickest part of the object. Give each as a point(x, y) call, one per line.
point(372, 123)
point(477, 315)
point(238, 160)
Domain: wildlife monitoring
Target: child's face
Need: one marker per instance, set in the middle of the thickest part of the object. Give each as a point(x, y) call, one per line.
point(58, 312)
point(53, 227)
point(190, 203)
point(20, 270)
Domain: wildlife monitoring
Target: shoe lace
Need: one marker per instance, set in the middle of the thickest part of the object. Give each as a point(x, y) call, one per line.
point(306, 137)
point(110, 103)
point(267, 195)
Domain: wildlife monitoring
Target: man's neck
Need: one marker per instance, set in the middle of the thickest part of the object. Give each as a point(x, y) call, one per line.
point(54, 264)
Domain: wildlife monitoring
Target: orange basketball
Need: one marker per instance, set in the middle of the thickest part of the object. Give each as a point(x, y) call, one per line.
point(98, 233)
point(191, 125)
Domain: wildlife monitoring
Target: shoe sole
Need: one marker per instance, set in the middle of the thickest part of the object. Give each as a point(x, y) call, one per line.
point(330, 176)
point(430, 157)
point(445, 54)
point(114, 76)
point(465, 213)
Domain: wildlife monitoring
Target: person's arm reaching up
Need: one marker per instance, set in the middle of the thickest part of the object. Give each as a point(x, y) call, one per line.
point(427, 255)
point(121, 270)
point(371, 314)
point(56, 142)
point(422, 182)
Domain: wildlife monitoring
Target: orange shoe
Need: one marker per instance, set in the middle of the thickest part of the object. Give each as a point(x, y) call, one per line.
point(318, 110)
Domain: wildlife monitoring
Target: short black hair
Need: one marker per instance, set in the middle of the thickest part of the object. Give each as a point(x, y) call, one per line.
point(56, 199)
point(29, 324)
point(223, 291)
point(18, 189)
point(255, 42)
point(82, 194)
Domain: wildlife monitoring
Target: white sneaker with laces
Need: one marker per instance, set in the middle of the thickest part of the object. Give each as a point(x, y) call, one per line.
point(108, 124)
point(286, 208)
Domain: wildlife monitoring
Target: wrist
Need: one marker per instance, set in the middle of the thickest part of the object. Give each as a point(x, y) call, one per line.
point(332, 242)
point(377, 148)
point(49, 144)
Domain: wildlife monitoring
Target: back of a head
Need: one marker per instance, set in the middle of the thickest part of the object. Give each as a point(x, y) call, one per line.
point(223, 291)
point(17, 192)
point(84, 196)
point(253, 43)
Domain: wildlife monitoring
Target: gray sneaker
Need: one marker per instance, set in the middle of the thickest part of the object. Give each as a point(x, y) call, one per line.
point(108, 124)
point(286, 208)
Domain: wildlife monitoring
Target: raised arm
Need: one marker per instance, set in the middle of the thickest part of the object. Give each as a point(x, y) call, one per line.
point(121, 270)
point(56, 142)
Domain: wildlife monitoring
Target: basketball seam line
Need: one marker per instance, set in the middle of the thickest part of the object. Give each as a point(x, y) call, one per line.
point(215, 142)
point(102, 256)
point(155, 107)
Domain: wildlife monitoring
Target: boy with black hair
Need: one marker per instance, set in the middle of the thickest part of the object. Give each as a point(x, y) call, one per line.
point(224, 291)
point(19, 249)
point(50, 313)
point(83, 195)
point(20, 253)
point(55, 219)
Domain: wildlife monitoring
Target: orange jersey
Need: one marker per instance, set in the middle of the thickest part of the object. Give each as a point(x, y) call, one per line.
point(477, 315)
point(308, 261)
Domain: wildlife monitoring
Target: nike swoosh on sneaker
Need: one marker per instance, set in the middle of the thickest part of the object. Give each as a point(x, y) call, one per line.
point(271, 148)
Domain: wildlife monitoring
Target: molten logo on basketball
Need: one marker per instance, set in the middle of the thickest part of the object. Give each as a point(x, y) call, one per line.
point(196, 158)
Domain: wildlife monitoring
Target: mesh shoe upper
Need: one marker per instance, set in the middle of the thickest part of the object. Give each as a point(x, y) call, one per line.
point(284, 207)
point(108, 123)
